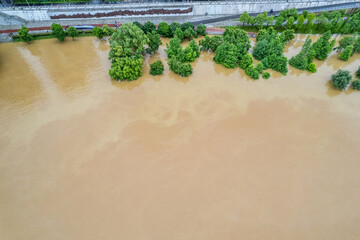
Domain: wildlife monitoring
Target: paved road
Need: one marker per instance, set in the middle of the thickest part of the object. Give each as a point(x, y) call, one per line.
point(313, 9)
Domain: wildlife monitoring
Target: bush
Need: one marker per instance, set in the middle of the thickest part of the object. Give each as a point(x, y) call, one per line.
point(24, 35)
point(149, 27)
point(58, 31)
point(164, 29)
point(156, 68)
point(311, 67)
point(341, 79)
point(72, 32)
point(179, 68)
point(210, 43)
point(154, 42)
point(173, 26)
point(356, 84)
point(266, 75)
point(252, 72)
point(201, 29)
point(345, 55)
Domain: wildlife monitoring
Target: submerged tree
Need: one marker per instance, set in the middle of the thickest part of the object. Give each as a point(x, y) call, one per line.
point(156, 68)
point(341, 79)
point(201, 30)
point(154, 42)
point(164, 29)
point(24, 35)
point(323, 46)
point(58, 31)
point(210, 43)
point(304, 58)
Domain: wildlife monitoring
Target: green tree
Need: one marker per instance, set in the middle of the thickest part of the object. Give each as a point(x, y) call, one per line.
point(357, 73)
point(345, 55)
point(279, 21)
point(311, 68)
point(260, 19)
point(201, 30)
point(266, 75)
point(305, 13)
point(58, 31)
point(246, 61)
point(139, 25)
point(191, 51)
point(190, 33)
point(356, 84)
point(179, 34)
point(174, 49)
point(251, 20)
point(226, 55)
point(270, 20)
point(290, 22)
point(164, 29)
point(260, 67)
point(187, 25)
point(154, 42)
point(210, 43)
point(252, 72)
point(24, 35)
point(287, 35)
point(149, 27)
point(108, 31)
point(126, 49)
point(341, 79)
point(244, 18)
point(293, 13)
point(98, 32)
point(156, 68)
point(323, 46)
point(321, 20)
point(310, 18)
point(72, 32)
point(173, 26)
point(180, 68)
point(304, 58)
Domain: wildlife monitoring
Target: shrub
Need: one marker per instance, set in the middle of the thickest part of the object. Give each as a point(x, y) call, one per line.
point(24, 35)
point(154, 42)
point(156, 68)
point(311, 67)
point(252, 72)
point(72, 32)
point(58, 31)
point(345, 55)
point(210, 43)
point(341, 79)
point(356, 84)
point(266, 75)
point(179, 68)
point(173, 26)
point(201, 30)
point(164, 29)
point(149, 27)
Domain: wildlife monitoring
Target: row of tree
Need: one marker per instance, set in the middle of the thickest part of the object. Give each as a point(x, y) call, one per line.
point(335, 21)
point(56, 30)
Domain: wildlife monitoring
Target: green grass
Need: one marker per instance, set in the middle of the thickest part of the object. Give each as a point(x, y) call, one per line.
point(40, 36)
point(23, 2)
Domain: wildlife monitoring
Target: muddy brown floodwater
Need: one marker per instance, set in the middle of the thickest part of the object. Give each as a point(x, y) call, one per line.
point(213, 156)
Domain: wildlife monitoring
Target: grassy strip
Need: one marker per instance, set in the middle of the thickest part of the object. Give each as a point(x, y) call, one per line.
point(40, 36)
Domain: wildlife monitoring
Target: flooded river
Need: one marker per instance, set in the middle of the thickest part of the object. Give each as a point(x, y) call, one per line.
point(212, 156)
